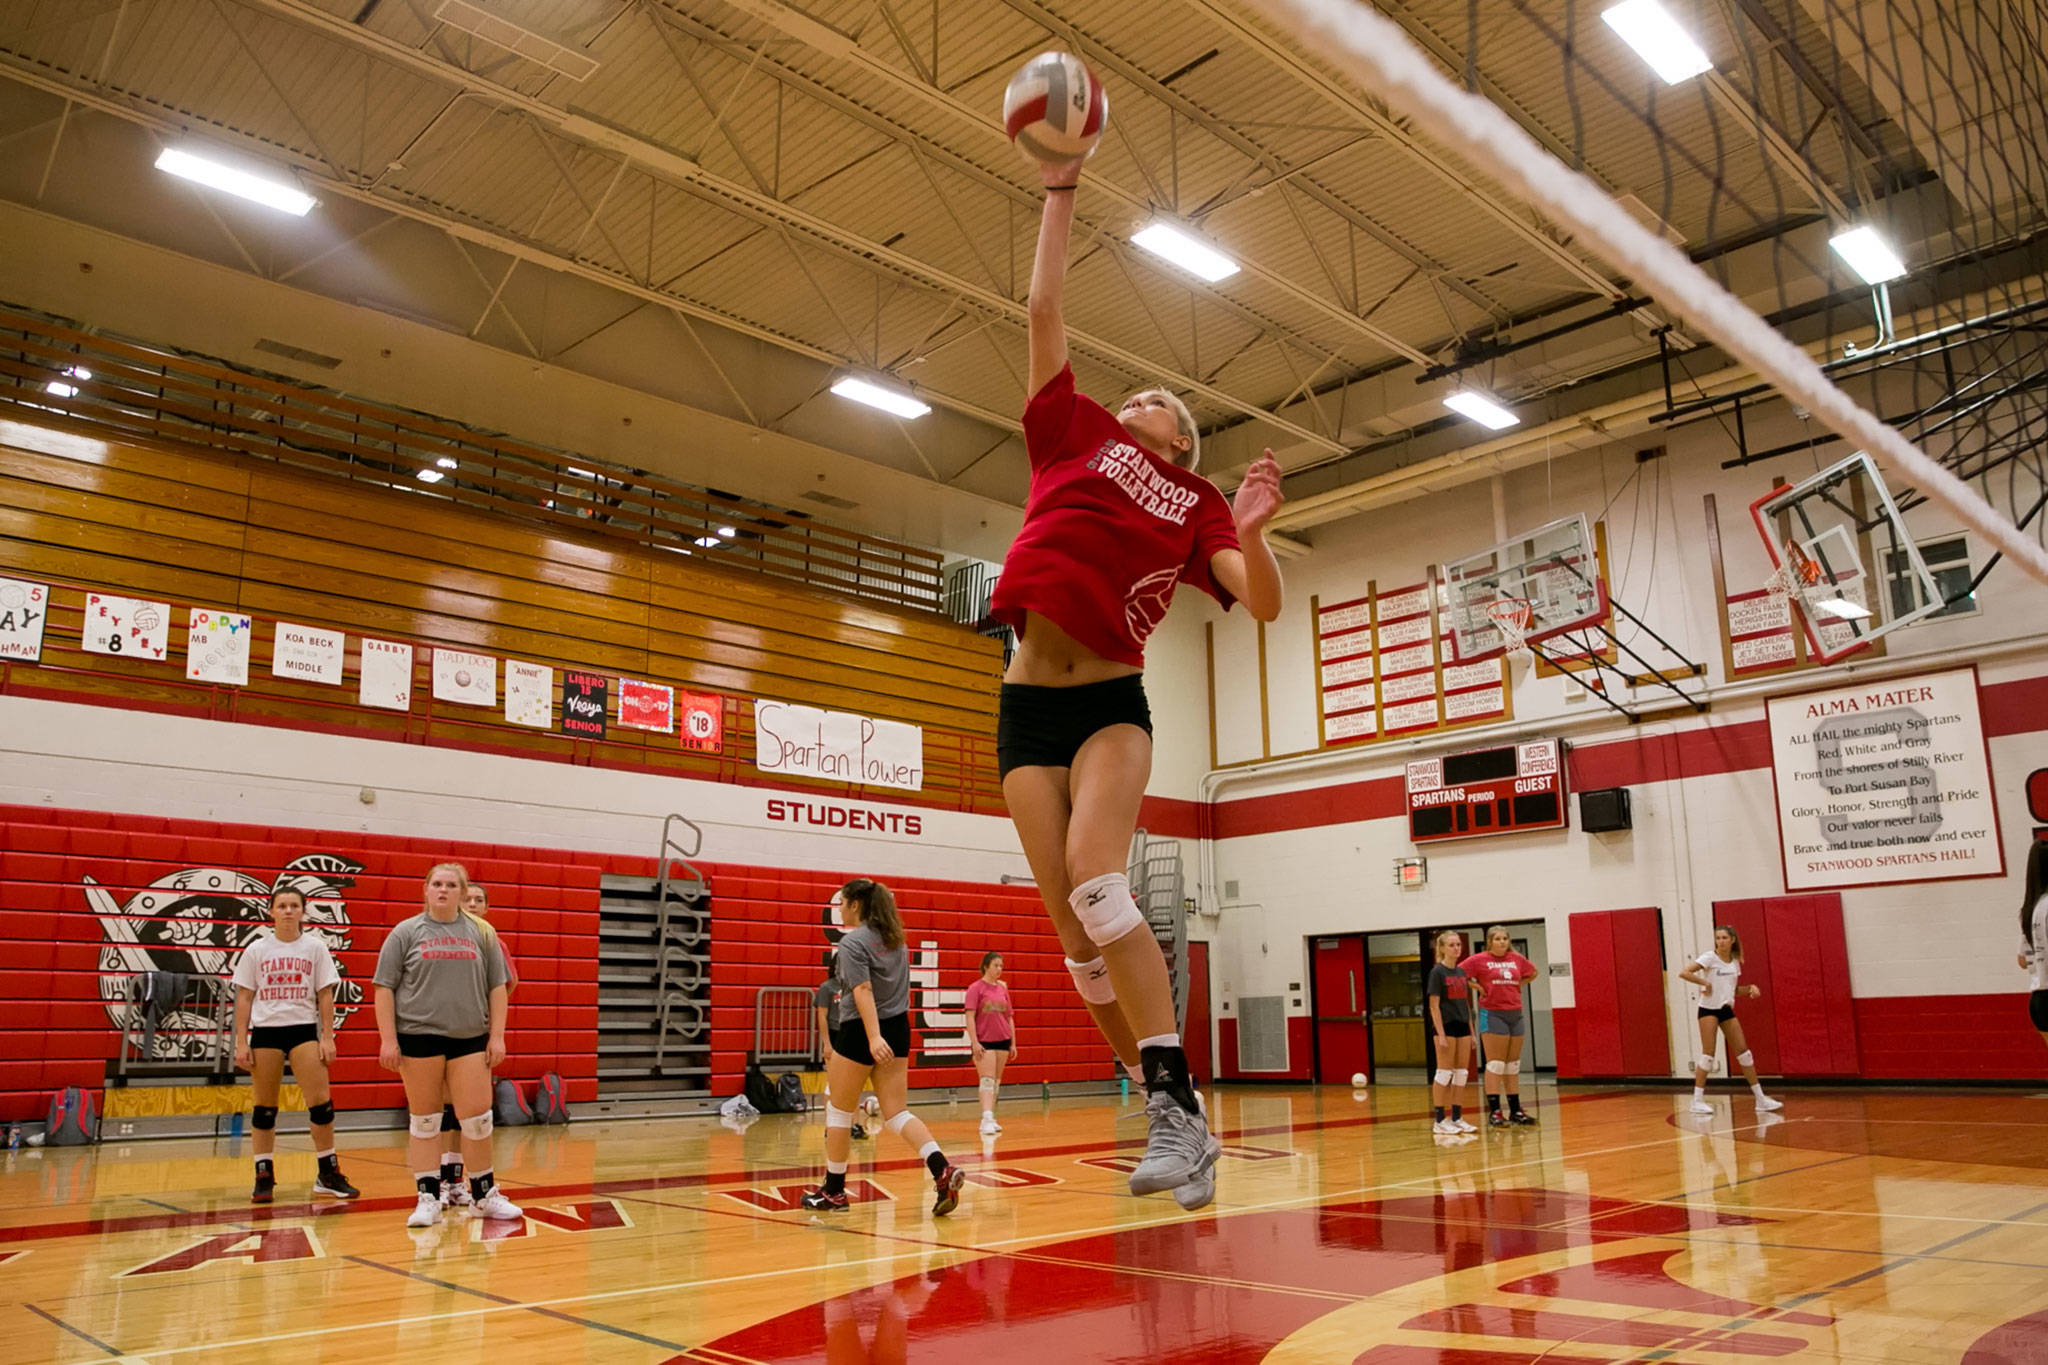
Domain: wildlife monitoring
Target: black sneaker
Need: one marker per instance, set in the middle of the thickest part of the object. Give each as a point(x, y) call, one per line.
point(335, 1185)
point(859, 1131)
point(1496, 1119)
point(1522, 1119)
point(823, 1202)
point(948, 1184)
point(266, 1183)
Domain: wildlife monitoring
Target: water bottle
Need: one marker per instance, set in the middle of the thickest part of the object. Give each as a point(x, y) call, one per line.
point(13, 1137)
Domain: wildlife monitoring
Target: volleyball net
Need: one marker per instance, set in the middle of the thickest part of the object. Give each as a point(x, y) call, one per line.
point(1848, 198)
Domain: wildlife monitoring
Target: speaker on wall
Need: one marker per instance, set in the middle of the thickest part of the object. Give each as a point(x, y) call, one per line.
point(1604, 810)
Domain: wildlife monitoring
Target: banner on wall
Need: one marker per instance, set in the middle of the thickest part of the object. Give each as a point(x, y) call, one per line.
point(467, 679)
point(126, 626)
point(703, 722)
point(529, 694)
point(307, 654)
point(1760, 632)
point(803, 741)
point(217, 647)
point(1883, 782)
point(23, 606)
point(647, 706)
point(584, 700)
point(386, 679)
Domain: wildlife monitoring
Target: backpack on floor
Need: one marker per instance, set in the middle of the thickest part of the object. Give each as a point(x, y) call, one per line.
point(760, 1092)
point(550, 1100)
point(74, 1119)
point(508, 1107)
point(789, 1092)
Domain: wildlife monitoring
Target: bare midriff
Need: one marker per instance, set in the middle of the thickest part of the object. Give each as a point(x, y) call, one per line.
point(1049, 657)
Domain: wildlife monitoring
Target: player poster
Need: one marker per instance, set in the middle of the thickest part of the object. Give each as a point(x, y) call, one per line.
point(307, 654)
point(23, 606)
point(468, 679)
point(584, 701)
point(127, 627)
point(703, 724)
point(529, 694)
point(386, 679)
point(647, 706)
point(217, 647)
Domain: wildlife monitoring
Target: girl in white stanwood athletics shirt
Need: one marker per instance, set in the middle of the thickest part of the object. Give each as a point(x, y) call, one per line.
point(2034, 935)
point(284, 1011)
point(1717, 974)
point(1116, 517)
point(441, 1021)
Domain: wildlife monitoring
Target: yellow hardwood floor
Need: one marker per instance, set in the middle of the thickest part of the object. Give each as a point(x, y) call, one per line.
point(1860, 1226)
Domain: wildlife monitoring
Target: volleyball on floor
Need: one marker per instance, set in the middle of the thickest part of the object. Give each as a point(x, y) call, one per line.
point(1358, 1080)
point(1055, 109)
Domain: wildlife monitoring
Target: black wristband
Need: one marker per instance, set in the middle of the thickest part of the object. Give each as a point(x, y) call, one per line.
point(1075, 186)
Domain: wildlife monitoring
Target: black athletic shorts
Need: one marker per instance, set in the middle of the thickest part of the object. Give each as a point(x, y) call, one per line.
point(284, 1037)
point(999, 1045)
point(434, 1045)
point(1726, 1014)
point(2037, 1010)
point(1044, 727)
point(1453, 1028)
point(850, 1039)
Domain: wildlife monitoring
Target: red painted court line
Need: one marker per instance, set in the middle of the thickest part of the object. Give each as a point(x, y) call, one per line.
point(263, 1213)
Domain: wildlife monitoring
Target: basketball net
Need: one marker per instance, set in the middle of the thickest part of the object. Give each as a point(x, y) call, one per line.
point(1511, 616)
point(1799, 570)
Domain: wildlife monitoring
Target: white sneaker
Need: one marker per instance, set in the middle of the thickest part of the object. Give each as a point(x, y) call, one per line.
point(425, 1213)
point(989, 1127)
point(496, 1205)
point(455, 1193)
point(1464, 1127)
point(1443, 1127)
point(1765, 1102)
point(1702, 1107)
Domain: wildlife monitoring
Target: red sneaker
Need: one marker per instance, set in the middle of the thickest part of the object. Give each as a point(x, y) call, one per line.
point(949, 1183)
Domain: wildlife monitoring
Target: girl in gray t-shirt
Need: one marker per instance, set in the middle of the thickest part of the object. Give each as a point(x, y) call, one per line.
point(441, 987)
point(871, 1038)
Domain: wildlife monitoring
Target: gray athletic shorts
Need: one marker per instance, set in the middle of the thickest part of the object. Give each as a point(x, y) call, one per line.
point(1506, 1023)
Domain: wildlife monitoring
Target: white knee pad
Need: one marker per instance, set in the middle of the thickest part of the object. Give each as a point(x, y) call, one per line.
point(1515, 1067)
point(1443, 1077)
point(478, 1127)
point(897, 1121)
point(1460, 1076)
point(1703, 1062)
point(425, 1125)
point(1092, 980)
point(1745, 1058)
point(837, 1118)
point(1105, 908)
point(987, 1086)
point(1497, 1067)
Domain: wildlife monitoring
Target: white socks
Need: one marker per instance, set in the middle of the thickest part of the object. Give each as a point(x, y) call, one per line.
point(1159, 1040)
point(928, 1149)
point(837, 1167)
point(1757, 1090)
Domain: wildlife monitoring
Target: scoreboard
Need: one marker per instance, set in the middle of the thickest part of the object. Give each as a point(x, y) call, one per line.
point(1507, 790)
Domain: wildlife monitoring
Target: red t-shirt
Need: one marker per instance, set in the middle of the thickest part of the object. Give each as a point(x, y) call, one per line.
point(1500, 978)
point(1109, 529)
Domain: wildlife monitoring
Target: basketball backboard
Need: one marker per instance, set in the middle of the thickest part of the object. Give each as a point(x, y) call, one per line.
point(1837, 546)
point(1553, 568)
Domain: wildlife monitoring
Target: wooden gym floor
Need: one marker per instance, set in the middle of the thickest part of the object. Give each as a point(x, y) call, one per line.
point(1865, 1227)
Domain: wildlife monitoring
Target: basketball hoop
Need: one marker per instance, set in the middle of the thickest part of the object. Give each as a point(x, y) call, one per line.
point(1512, 616)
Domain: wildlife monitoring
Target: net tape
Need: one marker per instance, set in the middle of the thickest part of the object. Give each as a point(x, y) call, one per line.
point(1377, 53)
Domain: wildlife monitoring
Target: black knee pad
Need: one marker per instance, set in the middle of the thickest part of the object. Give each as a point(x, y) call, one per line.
point(263, 1117)
point(448, 1121)
point(320, 1113)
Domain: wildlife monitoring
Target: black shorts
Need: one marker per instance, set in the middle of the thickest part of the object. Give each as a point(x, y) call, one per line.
point(434, 1045)
point(284, 1037)
point(850, 1039)
point(1044, 727)
point(999, 1045)
point(1726, 1014)
point(1453, 1028)
point(2037, 1010)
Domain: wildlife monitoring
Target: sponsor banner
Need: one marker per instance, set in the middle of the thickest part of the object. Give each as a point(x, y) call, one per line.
point(23, 608)
point(307, 654)
point(126, 626)
point(1344, 616)
point(1348, 671)
point(1884, 781)
point(803, 741)
point(386, 677)
point(466, 679)
point(217, 647)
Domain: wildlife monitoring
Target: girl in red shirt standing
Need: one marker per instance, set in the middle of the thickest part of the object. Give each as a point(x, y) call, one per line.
point(992, 1028)
point(1116, 518)
point(1499, 973)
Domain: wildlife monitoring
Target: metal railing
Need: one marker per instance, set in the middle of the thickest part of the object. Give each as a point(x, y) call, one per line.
point(175, 1023)
point(785, 1027)
point(1158, 885)
point(682, 956)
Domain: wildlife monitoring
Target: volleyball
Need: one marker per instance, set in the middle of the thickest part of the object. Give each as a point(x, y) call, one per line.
point(1055, 109)
point(1358, 1080)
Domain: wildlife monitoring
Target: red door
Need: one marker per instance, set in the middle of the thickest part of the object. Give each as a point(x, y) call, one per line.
point(1194, 1033)
point(1343, 1035)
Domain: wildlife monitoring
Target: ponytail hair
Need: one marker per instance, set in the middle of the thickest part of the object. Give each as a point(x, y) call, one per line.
point(877, 909)
point(1734, 939)
point(2036, 887)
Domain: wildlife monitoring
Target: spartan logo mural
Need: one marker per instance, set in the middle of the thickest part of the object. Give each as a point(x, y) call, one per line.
point(198, 921)
point(938, 1018)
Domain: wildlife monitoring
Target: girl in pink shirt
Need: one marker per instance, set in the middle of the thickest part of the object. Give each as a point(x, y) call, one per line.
point(992, 1027)
point(1497, 976)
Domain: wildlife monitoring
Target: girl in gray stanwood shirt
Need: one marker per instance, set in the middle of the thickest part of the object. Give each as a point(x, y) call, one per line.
point(871, 1037)
point(441, 989)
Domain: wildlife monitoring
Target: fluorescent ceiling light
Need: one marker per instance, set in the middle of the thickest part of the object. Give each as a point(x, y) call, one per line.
point(708, 542)
point(275, 194)
point(893, 401)
point(430, 476)
point(1658, 39)
point(63, 390)
point(446, 463)
point(1482, 410)
point(1868, 254)
point(1842, 609)
point(727, 531)
point(1190, 253)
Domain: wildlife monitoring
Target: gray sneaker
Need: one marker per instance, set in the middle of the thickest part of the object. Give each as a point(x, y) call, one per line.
point(1178, 1148)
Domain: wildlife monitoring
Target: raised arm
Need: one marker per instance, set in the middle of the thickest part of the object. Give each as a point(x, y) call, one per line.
point(1250, 573)
point(1049, 273)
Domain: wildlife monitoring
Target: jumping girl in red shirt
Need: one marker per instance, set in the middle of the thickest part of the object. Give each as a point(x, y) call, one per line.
point(1115, 519)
